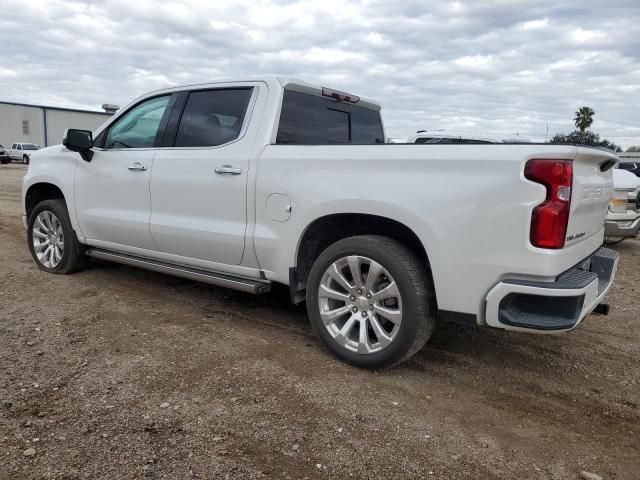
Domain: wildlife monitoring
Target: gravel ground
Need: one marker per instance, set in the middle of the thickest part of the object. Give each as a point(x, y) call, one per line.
point(118, 373)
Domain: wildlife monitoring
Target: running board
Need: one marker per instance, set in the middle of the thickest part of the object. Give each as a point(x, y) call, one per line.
point(213, 278)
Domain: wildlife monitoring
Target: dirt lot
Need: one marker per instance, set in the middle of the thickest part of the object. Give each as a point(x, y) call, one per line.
point(119, 373)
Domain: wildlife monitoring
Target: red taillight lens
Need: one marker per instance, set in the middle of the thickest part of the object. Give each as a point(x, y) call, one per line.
point(549, 220)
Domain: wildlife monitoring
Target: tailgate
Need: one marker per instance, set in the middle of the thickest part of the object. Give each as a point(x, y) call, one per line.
point(591, 193)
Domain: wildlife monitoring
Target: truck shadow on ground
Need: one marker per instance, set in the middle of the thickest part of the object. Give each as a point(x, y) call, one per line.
point(450, 345)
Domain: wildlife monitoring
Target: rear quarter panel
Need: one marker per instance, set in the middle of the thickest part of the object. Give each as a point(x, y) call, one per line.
point(470, 205)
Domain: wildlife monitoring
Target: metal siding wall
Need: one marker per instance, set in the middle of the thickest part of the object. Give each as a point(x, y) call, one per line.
point(58, 121)
point(11, 117)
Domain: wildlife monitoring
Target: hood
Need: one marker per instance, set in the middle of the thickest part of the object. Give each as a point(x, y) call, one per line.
point(623, 179)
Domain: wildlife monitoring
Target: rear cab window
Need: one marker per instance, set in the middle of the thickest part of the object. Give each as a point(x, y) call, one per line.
point(307, 119)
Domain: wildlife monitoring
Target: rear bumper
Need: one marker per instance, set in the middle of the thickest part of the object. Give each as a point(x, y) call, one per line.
point(621, 228)
point(550, 307)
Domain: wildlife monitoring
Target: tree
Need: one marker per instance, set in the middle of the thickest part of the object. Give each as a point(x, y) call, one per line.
point(584, 118)
point(634, 148)
point(578, 137)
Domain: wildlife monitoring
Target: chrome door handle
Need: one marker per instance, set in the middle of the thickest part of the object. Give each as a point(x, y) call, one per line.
point(137, 167)
point(228, 170)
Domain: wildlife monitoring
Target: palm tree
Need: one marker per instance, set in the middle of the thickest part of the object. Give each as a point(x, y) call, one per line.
point(584, 118)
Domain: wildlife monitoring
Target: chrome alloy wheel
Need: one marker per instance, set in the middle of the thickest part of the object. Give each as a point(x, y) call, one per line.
point(48, 239)
point(360, 304)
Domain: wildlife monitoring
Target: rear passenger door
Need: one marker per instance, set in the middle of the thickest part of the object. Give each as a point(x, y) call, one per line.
point(199, 183)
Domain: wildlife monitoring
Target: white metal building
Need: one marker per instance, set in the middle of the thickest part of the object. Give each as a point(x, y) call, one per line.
point(43, 125)
point(629, 156)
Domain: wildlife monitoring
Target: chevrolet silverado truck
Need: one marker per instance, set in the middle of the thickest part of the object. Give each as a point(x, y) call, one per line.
point(247, 183)
point(623, 218)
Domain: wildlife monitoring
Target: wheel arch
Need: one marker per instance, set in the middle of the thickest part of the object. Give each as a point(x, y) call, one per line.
point(39, 192)
point(328, 229)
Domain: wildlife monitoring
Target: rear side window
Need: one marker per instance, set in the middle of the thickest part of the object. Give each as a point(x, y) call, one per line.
point(627, 166)
point(212, 117)
point(312, 120)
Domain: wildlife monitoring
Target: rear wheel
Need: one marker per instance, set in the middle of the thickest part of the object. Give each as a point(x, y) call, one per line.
point(371, 301)
point(25, 159)
point(52, 241)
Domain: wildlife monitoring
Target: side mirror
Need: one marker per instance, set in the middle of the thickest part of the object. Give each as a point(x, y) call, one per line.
point(80, 141)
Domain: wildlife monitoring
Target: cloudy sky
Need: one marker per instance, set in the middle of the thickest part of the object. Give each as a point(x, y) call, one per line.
point(492, 67)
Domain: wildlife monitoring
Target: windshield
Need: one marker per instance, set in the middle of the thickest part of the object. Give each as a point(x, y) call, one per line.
point(30, 146)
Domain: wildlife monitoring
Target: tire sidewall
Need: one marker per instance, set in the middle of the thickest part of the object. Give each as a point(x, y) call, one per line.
point(414, 302)
point(60, 211)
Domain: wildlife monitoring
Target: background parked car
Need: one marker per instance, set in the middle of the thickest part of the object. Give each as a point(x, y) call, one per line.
point(632, 167)
point(22, 151)
point(4, 157)
point(442, 137)
point(623, 216)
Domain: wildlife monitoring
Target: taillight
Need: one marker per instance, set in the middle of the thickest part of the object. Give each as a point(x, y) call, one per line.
point(550, 218)
point(619, 201)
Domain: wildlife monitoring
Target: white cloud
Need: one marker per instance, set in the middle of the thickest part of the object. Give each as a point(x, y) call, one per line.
point(495, 67)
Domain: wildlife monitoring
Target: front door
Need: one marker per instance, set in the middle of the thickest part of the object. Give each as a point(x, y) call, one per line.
point(113, 203)
point(198, 187)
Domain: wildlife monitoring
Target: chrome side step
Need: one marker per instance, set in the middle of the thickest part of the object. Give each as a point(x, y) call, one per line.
point(213, 278)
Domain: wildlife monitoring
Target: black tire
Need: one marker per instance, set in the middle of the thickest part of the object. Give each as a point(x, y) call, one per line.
point(25, 159)
point(416, 291)
point(4, 161)
point(73, 258)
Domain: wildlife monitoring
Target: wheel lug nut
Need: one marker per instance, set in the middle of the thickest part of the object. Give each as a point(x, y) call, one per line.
point(371, 307)
point(352, 298)
point(368, 295)
point(359, 292)
point(364, 314)
point(354, 309)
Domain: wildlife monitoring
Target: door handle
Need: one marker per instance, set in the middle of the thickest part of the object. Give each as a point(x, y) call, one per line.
point(228, 170)
point(137, 167)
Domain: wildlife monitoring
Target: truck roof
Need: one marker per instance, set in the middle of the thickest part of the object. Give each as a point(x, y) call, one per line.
point(283, 82)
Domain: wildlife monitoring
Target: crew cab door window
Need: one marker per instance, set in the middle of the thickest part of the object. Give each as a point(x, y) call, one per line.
point(212, 117)
point(139, 127)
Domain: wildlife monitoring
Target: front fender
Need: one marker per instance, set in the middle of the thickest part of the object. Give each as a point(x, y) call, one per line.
point(55, 166)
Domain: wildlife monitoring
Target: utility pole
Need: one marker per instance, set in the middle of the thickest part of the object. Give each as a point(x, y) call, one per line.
point(546, 135)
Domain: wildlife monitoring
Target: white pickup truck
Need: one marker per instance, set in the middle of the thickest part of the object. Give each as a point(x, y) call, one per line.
point(623, 219)
point(22, 151)
point(246, 183)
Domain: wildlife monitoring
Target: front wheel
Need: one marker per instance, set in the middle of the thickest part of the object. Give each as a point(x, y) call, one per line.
point(52, 241)
point(370, 300)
